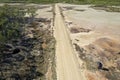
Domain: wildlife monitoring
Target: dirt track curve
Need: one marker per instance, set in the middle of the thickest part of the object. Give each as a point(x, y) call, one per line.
point(67, 66)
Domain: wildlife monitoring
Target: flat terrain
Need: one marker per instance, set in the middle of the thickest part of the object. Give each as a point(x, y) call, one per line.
point(100, 22)
point(95, 36)
point(87, 41)
point(67, 65)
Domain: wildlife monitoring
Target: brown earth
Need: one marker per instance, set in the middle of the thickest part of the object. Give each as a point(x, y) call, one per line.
point(98, 48)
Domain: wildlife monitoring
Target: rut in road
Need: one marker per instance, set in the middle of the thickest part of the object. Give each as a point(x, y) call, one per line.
point(66, 65)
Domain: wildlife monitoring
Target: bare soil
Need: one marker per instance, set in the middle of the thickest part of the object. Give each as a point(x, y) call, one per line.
point(95, 36)
point(67, 66)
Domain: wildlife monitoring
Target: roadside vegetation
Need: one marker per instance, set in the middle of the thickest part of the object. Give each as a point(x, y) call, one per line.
point(106, 8)
point(96, 2)
point(26, 47)
point(11, 22)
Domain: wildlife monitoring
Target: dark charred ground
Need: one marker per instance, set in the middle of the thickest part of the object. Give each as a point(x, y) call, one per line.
point(28, 57)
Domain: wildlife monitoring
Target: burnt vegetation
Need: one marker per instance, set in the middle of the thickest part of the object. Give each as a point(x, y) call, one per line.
point(22, 56)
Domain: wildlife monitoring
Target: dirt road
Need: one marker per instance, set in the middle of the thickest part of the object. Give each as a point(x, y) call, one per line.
point(66, 62)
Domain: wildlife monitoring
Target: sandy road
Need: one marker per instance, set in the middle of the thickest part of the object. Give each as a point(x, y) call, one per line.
point(67, 66)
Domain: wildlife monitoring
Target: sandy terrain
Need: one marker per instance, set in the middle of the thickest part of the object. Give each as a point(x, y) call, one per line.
point(95, 35)
point(101, 23)
point(44, 11)
point(67, 65)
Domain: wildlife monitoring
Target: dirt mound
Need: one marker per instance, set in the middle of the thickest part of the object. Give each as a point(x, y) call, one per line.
point(106, 51)
point(104, 46)
point(101, 56)
point(68, 8)
point(108, 45)
point(79, 30)
point(94, 76)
